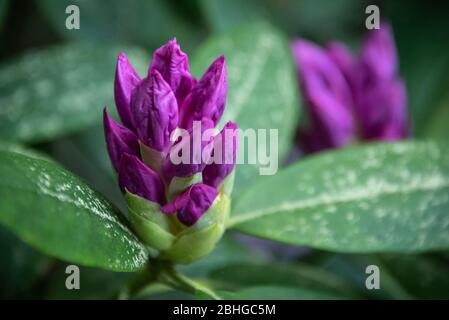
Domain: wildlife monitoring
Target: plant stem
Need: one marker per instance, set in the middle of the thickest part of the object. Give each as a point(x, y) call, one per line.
point(163, 272)
point(184, 283)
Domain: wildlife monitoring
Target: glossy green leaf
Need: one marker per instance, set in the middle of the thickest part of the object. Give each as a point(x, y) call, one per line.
point(57, 213)
point(378, 197)
point(262, 87)
point(150, 23)
point(51, 92)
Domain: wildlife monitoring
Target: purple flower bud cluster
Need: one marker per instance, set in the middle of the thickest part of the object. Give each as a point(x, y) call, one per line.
point(351, 98)
point(151, 109)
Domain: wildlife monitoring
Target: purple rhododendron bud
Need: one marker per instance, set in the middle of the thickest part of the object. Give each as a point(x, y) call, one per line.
point(179, 164)
point(225, 148)
point(192, 203)
point(119, 140)
point(154, 111)
point(139, 179)
point(384, 113)
point(126, 79)
point(173, 65)
point(150, 110)
point(381, 95)
point(350, 98)
point(208, 96)
point(328, 97)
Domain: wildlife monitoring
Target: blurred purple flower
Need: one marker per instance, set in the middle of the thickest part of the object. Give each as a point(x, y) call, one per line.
point(351, 98)
point(151, 109)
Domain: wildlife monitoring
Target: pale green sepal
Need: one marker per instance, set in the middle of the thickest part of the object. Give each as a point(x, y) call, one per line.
point(192, 245)
point(150, 233)
point(152, 158)
point(227, 185)
point(201, 238)
point(217, 213)
point(151, 225)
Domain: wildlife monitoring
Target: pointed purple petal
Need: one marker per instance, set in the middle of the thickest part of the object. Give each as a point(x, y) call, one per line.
point(173, 65)
point(225, 143)
point(192, 204)
point(119, 140)
point(378, 54)
point(126, 79)
point(208, 97)
point(155, 111)
point(139, 179)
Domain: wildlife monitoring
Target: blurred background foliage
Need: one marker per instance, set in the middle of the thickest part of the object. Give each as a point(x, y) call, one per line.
point(73, 71)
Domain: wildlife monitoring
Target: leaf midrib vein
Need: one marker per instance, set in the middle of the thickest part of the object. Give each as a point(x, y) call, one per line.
point(317, 201)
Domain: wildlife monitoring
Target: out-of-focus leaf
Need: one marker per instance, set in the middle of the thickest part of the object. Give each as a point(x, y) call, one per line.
point(352, 268)
point(17, 148)
point(424, 276)
point(303, 276)
point(85, 154)
point(150, 23)
point(378, 197)
point(222, 15)
point(51, 92)
point(262, 87)
point(21, 266)
point(94, 284)
point(57, 213)
point(343, 19)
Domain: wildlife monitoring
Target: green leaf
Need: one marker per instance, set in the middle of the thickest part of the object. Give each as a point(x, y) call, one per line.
point(237, 276)
point(262, 87)
point(51, 92)
point(379, 197)
point(425, 276)
point(224, 15)
point(352, 268)
point(150, 23)
point(57, 213)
